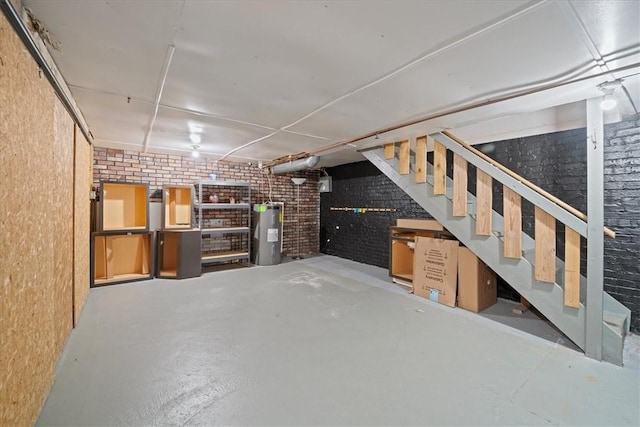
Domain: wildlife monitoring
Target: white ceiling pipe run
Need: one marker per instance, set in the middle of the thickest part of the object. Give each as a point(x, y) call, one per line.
point(296, 165)
point(171, 49)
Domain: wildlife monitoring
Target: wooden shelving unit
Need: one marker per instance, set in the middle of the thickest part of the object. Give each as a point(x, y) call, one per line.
point(122, 248)
point(123, 206)
point(177, 207)
point(401, 251)
point(121, 257)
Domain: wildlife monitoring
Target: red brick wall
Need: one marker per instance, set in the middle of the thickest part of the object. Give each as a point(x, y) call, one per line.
point(159, 169)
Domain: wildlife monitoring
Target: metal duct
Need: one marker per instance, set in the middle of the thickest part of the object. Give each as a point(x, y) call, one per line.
point(296, 165)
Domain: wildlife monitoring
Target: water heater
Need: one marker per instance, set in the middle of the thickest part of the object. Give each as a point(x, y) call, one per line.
point(266, 239)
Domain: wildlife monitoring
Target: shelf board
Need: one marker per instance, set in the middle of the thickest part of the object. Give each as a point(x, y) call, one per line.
point(122, 278)
point(178, 230)
point(224, 183)
point(224, 230)
point(402, 282)
point(169, 272)
point(404, 238)
point(140, 227)
point(224, 256)
point(178, 227)
point(223, 206)
point(406, 275)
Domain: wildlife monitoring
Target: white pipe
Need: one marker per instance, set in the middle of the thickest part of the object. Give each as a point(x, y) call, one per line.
point(165, 70)
point(296, 165)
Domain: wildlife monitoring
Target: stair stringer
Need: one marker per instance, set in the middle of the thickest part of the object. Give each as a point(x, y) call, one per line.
point(548, 298)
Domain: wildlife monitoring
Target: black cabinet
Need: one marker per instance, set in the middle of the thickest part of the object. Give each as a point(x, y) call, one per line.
point(178, 254)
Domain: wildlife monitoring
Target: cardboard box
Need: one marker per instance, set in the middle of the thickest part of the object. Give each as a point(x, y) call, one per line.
point(477, 283)
point(420, 224)
point(435, 270)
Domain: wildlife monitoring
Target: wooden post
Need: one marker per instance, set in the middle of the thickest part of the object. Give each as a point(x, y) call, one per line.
point(421, 159)
point(512, 223)
point(545, 250)
point(484, 203)
point(571, 268)
point(389, 150)
point(439, 168)
point(459, 186)
point(405, 166)
point(595, 224)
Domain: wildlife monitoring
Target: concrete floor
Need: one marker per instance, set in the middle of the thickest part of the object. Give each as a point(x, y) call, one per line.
point(319, 341)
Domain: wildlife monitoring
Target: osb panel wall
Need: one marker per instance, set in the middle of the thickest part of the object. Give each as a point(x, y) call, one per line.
point(28, 197)
point(62, 231)
point(81, 222)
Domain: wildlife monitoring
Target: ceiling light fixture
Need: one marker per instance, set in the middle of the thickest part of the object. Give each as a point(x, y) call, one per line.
point(608, 102)
point(195, 138)
point(195, 152)
point(608, 89)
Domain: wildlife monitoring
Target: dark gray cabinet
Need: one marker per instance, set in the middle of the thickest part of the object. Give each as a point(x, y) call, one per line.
point(178, 254)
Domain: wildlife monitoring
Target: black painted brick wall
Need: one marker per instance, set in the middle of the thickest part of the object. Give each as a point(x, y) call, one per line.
point(362, 237)
point(556, 162)
point(622, 214)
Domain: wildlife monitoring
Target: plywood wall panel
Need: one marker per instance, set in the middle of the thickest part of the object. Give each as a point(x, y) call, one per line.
point(81, 221)
point(62, 231)
point(36, 232)
point(27, 186)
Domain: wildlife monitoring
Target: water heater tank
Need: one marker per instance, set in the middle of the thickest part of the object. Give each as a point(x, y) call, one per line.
point(266, 239)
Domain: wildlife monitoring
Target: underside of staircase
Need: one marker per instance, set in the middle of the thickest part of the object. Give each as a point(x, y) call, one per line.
point(548, 298)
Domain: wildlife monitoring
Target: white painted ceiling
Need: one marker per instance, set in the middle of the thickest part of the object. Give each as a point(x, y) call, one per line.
point(259, 80)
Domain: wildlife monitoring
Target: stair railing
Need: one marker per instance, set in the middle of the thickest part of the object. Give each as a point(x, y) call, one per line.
point(548, 208)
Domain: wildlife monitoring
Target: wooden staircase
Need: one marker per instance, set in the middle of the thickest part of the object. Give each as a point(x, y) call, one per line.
point(529, 264)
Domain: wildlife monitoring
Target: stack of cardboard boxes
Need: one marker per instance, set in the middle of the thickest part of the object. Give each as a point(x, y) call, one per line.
point(448, 273)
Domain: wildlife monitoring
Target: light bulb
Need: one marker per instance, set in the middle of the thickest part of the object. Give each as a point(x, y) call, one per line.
point(608, 103)
point(195, 153)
